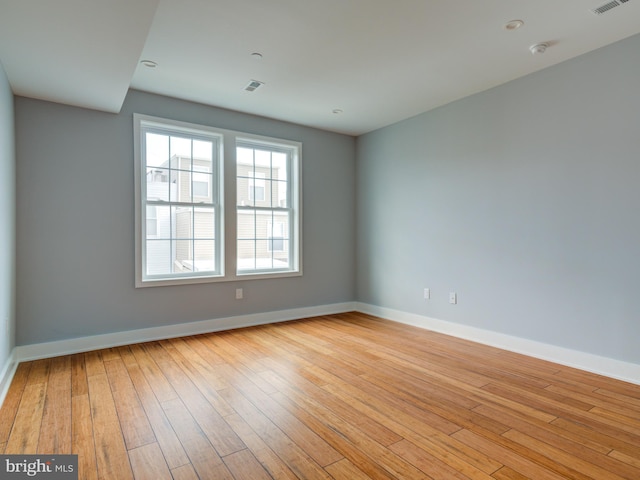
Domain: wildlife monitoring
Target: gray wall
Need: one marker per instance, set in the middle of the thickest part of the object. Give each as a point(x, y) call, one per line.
point(523, 199)
point(7, 220)
point(76, 223)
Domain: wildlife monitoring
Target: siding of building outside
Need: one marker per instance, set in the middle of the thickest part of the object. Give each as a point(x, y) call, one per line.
point(184, 237)
point(264, 186)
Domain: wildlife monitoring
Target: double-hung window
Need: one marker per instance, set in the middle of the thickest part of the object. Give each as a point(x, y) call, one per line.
point(266, 209)
point(186, 232)
point(179, 202)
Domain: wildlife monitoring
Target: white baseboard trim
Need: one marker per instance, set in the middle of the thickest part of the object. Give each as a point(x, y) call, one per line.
point(609, 367)
point(7, 373)
point(628, 372)
point(108, 340)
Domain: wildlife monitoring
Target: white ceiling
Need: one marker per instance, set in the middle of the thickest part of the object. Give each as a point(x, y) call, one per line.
point(379, 61)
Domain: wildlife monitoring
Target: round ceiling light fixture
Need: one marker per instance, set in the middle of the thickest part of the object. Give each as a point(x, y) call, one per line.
point(513, 25)
point(538, 48)
point(337, 111)
point(256, 55)
point(149, 63)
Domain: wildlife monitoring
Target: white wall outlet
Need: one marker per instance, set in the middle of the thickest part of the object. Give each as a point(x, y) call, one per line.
point(453, 298)
point(239, 294)
point(427, 294)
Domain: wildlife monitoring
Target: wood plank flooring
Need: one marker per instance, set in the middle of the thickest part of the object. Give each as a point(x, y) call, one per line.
point(345, 396)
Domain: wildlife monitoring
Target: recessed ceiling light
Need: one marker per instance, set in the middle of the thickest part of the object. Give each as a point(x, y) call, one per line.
point(513, 25)
point(149, 63)
point(256, 55)
point(538, 48)
point(337, 111)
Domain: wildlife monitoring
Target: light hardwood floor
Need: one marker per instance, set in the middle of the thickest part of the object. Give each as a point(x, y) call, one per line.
point(346, 396)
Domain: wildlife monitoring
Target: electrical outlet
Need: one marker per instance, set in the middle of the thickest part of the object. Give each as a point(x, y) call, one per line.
point(427, 294)
point(453, 298)
point(239, 294)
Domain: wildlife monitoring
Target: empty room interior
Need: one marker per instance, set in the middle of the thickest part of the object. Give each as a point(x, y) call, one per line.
point(338, 239)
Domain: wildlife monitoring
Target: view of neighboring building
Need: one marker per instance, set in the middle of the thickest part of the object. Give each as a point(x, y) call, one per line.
point(263, 213)
point(181, 235)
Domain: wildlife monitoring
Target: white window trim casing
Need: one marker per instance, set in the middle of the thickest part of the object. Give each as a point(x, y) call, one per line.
point(227, 213)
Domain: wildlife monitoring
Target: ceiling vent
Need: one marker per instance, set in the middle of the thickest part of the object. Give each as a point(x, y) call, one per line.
point(253, 85)
point(608, 6)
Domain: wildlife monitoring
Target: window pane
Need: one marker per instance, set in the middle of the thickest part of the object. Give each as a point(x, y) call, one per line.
point(279, 194)
point(263, 255)
point(262, 159)
point(276, 244)
point(174, 194)
point(202, 184)
point(183, 218)
point(203, 150)
point(176, 162)
point(180, 147)
point(278, 231)
point(281, 257)
point(246, 224)
point(183, 259)
point(204, 255)
point(158, 259)
point(244, 156)
point(245, 176)
point(246, 255)
point(152, 221)
point(202, 181)
point(163, 221)
point(157, 150)
point(204, 223)
point(257, 186)
point(279, 166)
point(282, 223)
point(157, 184)
point(242, 190)
point(184, 186)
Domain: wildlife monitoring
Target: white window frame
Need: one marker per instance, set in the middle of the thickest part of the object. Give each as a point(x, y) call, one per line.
point(226, 214)
point(145, 124)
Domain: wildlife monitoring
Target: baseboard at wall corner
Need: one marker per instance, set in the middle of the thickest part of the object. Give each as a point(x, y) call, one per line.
point(96, 342)
point(612, 368)
point(7, 373)
point(609, 367)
